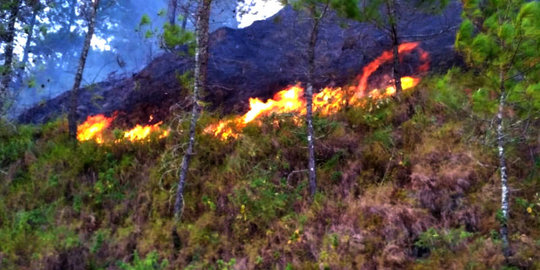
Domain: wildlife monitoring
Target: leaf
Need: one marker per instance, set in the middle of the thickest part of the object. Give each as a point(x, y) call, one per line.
point(482, 102)
point(145, 20)
point(483, 47)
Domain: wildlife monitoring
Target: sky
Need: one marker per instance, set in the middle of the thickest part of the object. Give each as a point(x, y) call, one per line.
point(260, 10)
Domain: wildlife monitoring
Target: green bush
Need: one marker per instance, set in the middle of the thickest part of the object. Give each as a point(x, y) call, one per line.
point(150, 262)
point(442, 239)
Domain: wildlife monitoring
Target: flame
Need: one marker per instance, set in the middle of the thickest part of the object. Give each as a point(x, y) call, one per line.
point(140, 133)
point(326, 102)
point(95, 128)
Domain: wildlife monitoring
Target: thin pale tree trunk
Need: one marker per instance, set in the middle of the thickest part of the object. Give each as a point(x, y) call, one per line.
point(72, 116)
point(29, 37)
point(312, 174)
point(201, 66)
point(8, 56)
point(391, 8)
point(503, 169)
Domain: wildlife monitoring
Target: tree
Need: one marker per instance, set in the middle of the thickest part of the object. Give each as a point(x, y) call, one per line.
point(183, 7)
point(72, 116)
point(501, 40)
point(386, 15)
point(200, 74)
point(171, 11)
point(317, 10)
point(7, 70)
point(34, 8)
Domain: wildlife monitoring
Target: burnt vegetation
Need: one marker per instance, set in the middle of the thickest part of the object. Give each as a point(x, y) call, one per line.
point(408, 183)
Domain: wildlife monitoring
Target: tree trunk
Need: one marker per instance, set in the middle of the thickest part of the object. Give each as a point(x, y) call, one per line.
point(504, 175)
point(72, 116)
point(185, 14)
point(8, 56)
point(171, 11)
point(68, 56)
point(312, 177)
point(392, 17)
point(29, 36)
point(201, 66)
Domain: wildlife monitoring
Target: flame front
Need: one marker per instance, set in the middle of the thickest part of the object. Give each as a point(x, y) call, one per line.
point(95, 128)
point(326, 102)
point(140, 133)
point(290, 100)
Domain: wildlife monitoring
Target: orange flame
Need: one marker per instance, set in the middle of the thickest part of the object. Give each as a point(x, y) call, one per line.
point(328, 101)
point(140, 133)
point(95, 127)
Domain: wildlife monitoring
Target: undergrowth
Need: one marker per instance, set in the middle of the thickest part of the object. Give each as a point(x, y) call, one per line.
point(409, 185)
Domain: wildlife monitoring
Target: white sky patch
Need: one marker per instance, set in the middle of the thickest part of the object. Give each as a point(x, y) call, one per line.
point(256, 10)
point(101, 44)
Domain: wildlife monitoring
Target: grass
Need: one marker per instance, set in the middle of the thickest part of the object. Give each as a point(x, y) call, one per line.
point(396, 189)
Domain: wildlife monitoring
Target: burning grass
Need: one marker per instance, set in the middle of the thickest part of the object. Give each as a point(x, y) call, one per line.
point(96, 128)
point(328, 101)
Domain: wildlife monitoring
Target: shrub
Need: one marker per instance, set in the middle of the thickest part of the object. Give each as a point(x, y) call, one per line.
point(150, 262)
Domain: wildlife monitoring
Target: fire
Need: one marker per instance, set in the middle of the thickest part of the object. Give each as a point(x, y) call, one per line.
point(140, 133)
point(95, 127)
point(326, 102)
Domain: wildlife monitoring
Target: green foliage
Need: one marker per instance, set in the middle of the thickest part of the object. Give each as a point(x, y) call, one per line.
point(145, 26)
point(501, 37)
point(449, 94)
point(224, 265)
point(376, 11)
point(145, 20)
point(186, 80)
point(98, 239)
point(174, 35)
point(150, 262)
point(96, 202)
point(442, 239)
point(14, 142)
point(265, 200)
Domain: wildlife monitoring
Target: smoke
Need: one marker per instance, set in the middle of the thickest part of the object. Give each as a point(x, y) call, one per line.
point(120, 47)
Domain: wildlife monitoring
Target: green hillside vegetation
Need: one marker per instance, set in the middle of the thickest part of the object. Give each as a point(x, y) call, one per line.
point(444, 176)
point(400, 186)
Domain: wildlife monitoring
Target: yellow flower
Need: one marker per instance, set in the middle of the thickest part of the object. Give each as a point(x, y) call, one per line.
point(529, 210)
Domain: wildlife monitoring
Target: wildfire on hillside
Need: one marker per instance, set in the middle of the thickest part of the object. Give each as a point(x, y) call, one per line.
point(290, 100)
point(328, 101)
point(95, 127)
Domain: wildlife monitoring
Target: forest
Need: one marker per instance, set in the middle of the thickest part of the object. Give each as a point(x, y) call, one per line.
point(269, 134)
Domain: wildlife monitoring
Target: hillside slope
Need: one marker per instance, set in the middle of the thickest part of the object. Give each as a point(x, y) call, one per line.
point(410, 185)
point(258, 61)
